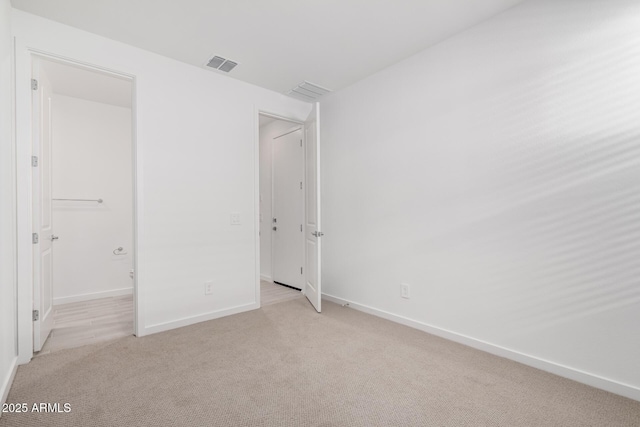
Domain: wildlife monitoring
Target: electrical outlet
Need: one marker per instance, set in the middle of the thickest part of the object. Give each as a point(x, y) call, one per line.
point(235, 218)
point(208, 288)
point(404, 290)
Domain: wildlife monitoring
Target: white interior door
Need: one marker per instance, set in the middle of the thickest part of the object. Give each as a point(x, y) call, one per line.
point(313, 280)
point(42, 215)
point(287, 208)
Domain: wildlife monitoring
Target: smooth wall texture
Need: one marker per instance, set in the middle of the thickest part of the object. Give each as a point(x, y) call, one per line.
point(197, 159)
point(498, 174)
point(8, 332)
point(267, 133)
point(91, 159)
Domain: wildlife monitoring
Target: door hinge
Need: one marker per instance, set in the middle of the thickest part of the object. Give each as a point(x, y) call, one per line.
point(36, 315)
point(300, 143)
point(34, 238)
point(301, 228)
point(301, 185)
point(34, 84)
point(300, 270)
point(34, 161)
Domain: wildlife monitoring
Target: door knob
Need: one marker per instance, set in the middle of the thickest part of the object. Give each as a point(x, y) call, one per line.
point(275, 228)
point(54, 237)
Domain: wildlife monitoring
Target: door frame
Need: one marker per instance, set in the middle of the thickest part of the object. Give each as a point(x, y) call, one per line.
point(295, 122)
point(24, 57)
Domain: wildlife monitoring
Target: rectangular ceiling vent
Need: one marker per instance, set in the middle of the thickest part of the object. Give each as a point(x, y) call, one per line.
point(222, 64)
point(308, 92)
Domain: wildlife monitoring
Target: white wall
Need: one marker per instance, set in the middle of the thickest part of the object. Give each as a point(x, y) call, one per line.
point(267, 133)
point(7, 207)
point(91, 159)
point(498, 173)
point(197, 159)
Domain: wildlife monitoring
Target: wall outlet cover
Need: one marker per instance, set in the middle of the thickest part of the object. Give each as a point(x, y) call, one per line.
point(208, 288)
point(404, 291)
point(235, 218)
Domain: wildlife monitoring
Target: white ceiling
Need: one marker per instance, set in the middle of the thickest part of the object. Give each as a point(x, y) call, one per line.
point(87, 84)
point(278, 43)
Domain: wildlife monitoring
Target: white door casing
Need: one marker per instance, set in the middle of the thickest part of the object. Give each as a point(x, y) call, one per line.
point(313, 234)
point(288, 208)
point(42, 210)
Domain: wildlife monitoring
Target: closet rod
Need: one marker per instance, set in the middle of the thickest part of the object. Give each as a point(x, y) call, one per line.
point(81, 200)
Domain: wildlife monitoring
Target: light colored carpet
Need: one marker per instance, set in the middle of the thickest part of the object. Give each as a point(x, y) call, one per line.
point(285, 365)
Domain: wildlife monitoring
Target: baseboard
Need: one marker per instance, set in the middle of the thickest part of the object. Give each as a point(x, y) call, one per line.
point(93, 295)
point(587, 378)
point(186, 321)
point(267, 278)
point(7, 381)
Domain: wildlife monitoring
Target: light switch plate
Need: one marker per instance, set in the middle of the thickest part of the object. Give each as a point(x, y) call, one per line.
point(235, 218)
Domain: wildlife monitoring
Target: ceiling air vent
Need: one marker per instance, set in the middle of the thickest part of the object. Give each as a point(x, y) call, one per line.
point(227, 66)
point(222, 64)
point(308, 92)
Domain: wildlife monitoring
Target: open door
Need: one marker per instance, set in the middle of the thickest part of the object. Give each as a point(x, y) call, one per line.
point(313, 280)
point(43, 238)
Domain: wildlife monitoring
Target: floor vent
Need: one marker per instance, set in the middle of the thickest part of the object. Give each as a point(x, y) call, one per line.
point(308, 92)
point(222, 64)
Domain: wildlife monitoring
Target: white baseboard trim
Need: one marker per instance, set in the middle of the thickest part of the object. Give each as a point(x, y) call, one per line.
point(7, 381)
point(93, 295)
point(593, 380)
point(186, 321)
point(267, 278)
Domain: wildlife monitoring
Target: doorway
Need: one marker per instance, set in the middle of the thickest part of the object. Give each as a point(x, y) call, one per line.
point(281, 209)
point(289, 217)
point(285, 209)
point(82, 204)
